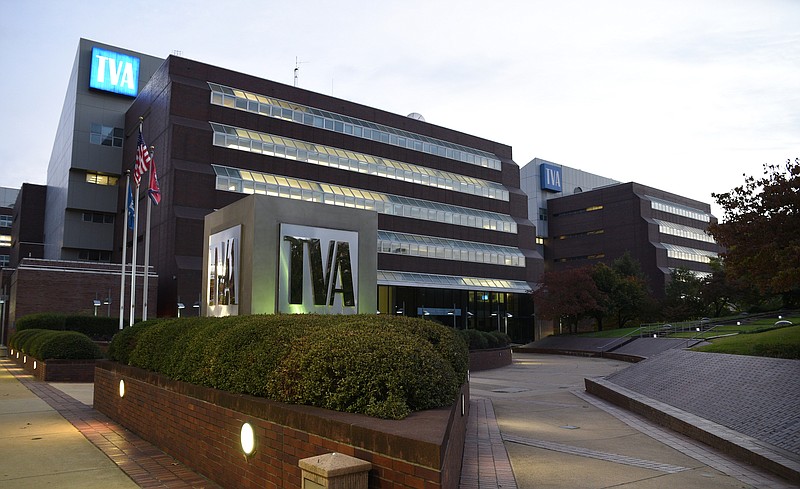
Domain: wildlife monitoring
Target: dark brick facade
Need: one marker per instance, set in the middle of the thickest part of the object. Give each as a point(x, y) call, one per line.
point(177, 110)
point(71, 287)
point(200, 427)
point(603, 224)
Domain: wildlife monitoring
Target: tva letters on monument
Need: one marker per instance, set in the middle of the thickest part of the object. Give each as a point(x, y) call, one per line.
point(323, 283)
point(319, 270)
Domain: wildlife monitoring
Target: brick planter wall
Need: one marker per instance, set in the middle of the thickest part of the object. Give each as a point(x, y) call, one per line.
point(55, 370)
point(200, 427)
point(489, 359)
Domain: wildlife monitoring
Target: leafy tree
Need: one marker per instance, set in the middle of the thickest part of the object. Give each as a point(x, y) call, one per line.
point(684, 298)
point(630, 296)
point(570, 294)
point(761, 230)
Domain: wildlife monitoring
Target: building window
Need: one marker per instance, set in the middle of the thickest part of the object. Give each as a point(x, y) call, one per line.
point(542, 214)
point(539, 240)
point(682, 231)
point(689, 254)
point(4, 260)
point(316, 154)
point(98, 217)
point(250, 182)
point(99, 179)
point(309, 116)
point(678, 210)
point(94, 255)
point(450, 249)
point(106, 136)
point(5, 240)
point(5, 221)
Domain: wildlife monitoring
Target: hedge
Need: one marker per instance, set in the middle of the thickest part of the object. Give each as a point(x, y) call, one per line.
point(382, 366)
point(481, 340)
point(47, 344)
point(96, 327)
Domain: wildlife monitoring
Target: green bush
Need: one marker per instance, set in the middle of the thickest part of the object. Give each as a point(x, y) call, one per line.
point(378, 365)
point(124, 341)
point(68, 345)
point(482, 340)
point(365, 369)
point(44, 320)
point(46, 344)
point(96, 327)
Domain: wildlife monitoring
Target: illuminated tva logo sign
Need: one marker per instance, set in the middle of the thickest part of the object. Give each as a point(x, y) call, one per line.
point(114, 72)
point(550, 177)
point(319, 270)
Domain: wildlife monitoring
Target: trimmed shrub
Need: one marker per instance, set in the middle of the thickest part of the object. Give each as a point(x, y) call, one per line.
point(498, 339)
point(46, 344)
point(381, 366)
point(96, 327)
point(365, 369)
point(482, 340)
point(68, 345)
point(44, 320)
point(125, 340)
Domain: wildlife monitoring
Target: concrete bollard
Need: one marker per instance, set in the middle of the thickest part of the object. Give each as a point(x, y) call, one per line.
point(334, 471)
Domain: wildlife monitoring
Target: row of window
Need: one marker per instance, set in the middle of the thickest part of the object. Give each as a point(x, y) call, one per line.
point(294, 149)
point(250, 182)
point(94, 255)
point(6, 221)
point(4, 260)
point(98, 217)
point(682, 231)
point(448, 249)
point(106, 136)
point(593, 232)
point(678, 210)
point(412, 279)
point(322, 119)
point(595, 256)
point(5, 240)
point(98, 179)
point(689, 254)
point(579, 211)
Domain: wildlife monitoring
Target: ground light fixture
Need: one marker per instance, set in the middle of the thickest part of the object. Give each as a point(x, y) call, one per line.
point(181, 306)
point(248, 439)
point(121, 388)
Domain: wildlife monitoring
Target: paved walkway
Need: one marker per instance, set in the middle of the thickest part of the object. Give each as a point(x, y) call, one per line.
point(558, 436)
point(531, 425)
point(48, 437)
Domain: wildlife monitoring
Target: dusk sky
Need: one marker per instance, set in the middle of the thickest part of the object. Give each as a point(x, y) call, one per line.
point(684, 96)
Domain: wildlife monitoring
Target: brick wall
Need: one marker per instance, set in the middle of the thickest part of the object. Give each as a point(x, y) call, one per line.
point(200, 427)
point(489, 359)
point(55, 370)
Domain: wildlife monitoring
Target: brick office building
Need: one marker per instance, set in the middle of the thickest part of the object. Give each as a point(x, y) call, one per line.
point(452, 221)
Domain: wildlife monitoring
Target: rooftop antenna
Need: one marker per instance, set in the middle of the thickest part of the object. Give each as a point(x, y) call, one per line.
point(177, 52)
point(297, 64)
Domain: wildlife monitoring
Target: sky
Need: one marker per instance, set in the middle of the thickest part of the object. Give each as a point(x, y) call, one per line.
point(686, 96)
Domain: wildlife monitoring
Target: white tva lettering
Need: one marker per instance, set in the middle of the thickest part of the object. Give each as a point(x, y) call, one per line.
point(123, 69)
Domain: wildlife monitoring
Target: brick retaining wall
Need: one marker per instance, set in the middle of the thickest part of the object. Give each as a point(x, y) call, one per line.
point(489, 359)
point(55, 370)
point(200, 427)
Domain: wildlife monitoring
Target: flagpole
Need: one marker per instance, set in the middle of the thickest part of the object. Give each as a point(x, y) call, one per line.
point(133, 256)
point(124, 252)
point(147, 247)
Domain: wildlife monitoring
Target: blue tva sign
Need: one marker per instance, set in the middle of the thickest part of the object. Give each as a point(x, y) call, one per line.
point(114, 72)
point(550, 177)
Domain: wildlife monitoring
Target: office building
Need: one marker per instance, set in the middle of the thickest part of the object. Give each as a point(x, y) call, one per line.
point(592, 219)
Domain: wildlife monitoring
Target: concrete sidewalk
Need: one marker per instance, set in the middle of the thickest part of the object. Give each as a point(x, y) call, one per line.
point(38, 447)
point(557, 436)
point(50, 435)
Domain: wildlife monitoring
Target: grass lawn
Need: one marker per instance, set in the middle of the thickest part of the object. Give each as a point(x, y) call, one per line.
point(777, 343)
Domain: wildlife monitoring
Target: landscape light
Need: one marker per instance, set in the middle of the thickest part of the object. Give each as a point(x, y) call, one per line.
point(248, 439)
point(121, 388)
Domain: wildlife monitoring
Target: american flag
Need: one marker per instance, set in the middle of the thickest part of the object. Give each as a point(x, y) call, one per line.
point(142, 160)
point(155, 190)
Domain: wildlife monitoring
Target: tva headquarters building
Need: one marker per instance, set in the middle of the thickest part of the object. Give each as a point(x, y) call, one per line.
point(583, 219)
point(451, 238)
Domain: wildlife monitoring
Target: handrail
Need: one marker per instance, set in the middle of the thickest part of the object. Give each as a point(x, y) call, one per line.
point(603, 347)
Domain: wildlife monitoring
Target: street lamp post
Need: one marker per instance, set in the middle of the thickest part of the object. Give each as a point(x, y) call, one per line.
point(3, 300)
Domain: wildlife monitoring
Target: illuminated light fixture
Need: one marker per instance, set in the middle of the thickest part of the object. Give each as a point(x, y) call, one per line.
point(655, 335)
point(463, 407)
point(248, 439)
point(121, 388)
point(34, 364)
point(25, 359)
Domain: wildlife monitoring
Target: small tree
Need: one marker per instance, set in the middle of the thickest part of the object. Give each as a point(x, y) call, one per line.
point(683, 296)
point(761, 230)
point(570, 294)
